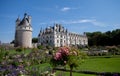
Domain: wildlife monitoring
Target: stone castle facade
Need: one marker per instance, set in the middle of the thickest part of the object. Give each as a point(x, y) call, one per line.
point(57, 36)
point(23, 32)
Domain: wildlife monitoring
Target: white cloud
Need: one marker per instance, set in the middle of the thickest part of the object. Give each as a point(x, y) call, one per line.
point(91, 21)
point(81, 21)
point(77, 21)
point(65, 9)
point(99, 24)
point(86, 21)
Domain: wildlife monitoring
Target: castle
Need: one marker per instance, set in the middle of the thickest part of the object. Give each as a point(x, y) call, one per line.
point(23, 32)
point(57, 36)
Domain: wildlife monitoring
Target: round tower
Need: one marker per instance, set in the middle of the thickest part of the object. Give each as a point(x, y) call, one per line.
point(23, 34)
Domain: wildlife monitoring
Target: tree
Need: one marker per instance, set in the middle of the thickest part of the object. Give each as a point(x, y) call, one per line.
point(102, 39)
point(113, 50)
point(12, 42)
point(34, 40)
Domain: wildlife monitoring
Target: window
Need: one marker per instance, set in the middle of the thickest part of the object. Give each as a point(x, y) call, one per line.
point(61, 36)
point(84, 42)
point(60, 40)
point(46, 41)
point(57, 41)
point(79, 41)
point(50, 41)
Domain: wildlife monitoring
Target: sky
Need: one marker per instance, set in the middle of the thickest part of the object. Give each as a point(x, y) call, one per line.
point(76, 15)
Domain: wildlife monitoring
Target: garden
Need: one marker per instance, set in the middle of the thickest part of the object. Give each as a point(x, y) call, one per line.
point(63, 61)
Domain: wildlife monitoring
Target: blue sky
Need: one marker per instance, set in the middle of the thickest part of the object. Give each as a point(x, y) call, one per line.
point(76, 15)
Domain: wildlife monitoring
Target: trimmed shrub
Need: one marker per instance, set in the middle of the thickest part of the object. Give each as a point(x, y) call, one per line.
point(40, 47)
point(19, 49)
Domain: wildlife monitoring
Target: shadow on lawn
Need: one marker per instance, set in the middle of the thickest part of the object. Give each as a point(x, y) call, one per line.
point(90, 72)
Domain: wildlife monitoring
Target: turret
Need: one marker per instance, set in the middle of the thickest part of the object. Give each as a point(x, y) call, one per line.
point(18, 21)
point(40, 31)
point(26, 21)
point(84, 33)
point(29, 19)
point(25, 15)
point(66, 31)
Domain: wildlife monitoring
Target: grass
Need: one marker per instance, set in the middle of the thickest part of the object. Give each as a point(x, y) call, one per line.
point(101, 65)
point(60, 73)
point(41, 67)
point(95, 64)
point(27, 51)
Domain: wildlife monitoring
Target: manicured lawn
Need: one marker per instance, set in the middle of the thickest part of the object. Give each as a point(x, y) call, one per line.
point(22, 52)
point(94, 64)
point(101, 65)
point(60, 73)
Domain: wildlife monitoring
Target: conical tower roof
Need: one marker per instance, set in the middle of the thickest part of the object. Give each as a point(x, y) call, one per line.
point(18, 19)
point(25, 20)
